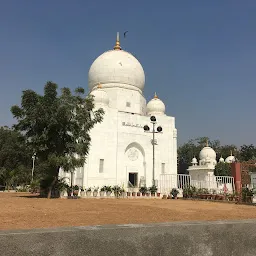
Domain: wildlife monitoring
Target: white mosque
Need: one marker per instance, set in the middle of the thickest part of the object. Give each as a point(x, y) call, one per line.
point(121, 151)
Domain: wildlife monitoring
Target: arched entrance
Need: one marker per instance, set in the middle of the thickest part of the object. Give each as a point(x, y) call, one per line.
point(135, 165)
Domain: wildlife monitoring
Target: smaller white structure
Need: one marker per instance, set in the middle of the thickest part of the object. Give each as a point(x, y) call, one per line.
point(221, 160)
point(202, 173)
point(230, 159)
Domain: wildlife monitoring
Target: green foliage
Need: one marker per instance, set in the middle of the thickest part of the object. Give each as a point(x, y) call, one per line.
point(174, 192)
point(15, 158)
point(143, 189)
point(153, 189)
point(248, 152)
point(103, 188)
point(76, 187)
point(35, 186)
point(57, 127)
point(222, 169)
point(246, 192)
point(108, 188)
point(117, 190)
point(192, 148)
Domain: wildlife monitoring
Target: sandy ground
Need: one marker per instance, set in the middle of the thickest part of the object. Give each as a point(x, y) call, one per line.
point(21, 211)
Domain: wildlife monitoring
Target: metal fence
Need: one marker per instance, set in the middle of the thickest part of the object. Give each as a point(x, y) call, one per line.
point(218, 183)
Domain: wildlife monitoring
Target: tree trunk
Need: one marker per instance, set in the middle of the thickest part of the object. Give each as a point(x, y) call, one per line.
point(53, 182)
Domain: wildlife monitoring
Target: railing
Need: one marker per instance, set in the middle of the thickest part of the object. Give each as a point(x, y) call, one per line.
point(180, 181)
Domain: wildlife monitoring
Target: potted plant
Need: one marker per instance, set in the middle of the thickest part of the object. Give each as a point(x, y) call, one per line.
point(158, 194)
point(153, 190)
point(82, 193)
point(75, 190)
point(220, 196)
point(185, 192)
point(95, 191)
point(128, 193)
point(122, 191)
point(143, 190)
point(69, 191)
point(164, 196)
point(193, 192)
point(247, 195)
point(88, 191)
point(214, 194)
point(236, 196)
point(117, 190)
point(200, 193)
point(174, 193)
point(230, 196)
point(108, 190)
point(102, 191)
point(61, 187)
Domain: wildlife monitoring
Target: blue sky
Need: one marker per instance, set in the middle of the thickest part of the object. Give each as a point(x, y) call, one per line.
point(199, 56)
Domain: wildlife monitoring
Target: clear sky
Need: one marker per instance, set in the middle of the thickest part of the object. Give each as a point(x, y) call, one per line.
point(199, 56)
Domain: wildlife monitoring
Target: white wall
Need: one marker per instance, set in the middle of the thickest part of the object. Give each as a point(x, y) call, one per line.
point(111, 139)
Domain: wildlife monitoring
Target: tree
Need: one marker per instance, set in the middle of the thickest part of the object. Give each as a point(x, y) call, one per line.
point(222, 169)
point(226, 151)
point(192, 148)
point(247, 152)
point(57, 127)
point(14, 158)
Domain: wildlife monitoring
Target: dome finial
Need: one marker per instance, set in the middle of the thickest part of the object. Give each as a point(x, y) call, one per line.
point(231, 152)
point(117, 45)
point(207, 143)
point(155, 97)
point(99, 85)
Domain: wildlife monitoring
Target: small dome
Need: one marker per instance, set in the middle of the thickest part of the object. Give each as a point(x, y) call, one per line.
point(207, 152)
point(155, 106)
point(100, 97)
point(117, 68)
point(230, 159)
point(194, 161)
point(221, 160)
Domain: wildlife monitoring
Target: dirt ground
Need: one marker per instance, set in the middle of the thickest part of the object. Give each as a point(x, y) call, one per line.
point(21, 211)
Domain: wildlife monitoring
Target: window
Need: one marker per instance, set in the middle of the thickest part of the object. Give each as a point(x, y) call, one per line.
point(101, 166)
point(128, 104)
point(163, 168)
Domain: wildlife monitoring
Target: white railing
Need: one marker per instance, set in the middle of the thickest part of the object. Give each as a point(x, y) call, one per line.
point(169, 181)
point(179, 181)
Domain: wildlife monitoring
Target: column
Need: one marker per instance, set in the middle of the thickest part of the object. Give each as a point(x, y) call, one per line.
point(236, 173)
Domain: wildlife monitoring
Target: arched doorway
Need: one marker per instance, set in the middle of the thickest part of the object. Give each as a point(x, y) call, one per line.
point(135, 165)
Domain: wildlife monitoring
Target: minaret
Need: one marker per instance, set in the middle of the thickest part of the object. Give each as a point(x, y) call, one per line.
point(117, 45)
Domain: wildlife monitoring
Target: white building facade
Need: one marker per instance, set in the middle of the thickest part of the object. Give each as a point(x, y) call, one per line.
point(121, 152)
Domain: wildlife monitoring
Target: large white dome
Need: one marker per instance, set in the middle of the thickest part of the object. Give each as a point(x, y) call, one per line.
point(116, 68)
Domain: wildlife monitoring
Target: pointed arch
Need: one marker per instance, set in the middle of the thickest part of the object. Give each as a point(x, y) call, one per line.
point(135, 145)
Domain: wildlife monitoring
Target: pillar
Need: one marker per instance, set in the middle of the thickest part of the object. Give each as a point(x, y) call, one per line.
point(236, 173)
